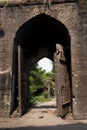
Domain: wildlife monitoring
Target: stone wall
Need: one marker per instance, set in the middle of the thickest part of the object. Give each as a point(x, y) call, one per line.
point(5, 87)
point(12, 2)
point(75, 21)
point(79, 67)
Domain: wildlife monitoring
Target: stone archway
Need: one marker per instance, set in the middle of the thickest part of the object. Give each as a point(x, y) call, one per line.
point(35, 39)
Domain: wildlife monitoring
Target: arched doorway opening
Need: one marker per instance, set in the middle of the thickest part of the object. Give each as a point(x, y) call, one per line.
point(35, 39)
point(41, 84)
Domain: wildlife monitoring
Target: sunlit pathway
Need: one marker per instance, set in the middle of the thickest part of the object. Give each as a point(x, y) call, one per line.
point(42, 117)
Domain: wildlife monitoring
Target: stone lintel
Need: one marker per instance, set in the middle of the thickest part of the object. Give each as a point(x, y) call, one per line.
point(32, 2)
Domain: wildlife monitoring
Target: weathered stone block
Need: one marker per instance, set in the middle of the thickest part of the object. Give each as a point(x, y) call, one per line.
point(5, 89)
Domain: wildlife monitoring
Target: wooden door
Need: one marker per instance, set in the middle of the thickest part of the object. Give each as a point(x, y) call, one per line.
point(19, 81)
point(62, 82)
point(22, 82)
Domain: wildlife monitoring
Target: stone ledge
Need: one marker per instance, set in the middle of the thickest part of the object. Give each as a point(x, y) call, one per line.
point(32, 2)
point(80, 116)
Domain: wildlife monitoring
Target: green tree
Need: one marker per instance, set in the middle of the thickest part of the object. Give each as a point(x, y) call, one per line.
point(41, 84)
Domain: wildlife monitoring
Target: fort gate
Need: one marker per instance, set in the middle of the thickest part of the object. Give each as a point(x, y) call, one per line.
point(31, 30)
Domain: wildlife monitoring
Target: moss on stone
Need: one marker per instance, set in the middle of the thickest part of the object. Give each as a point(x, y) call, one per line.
point(0, 22)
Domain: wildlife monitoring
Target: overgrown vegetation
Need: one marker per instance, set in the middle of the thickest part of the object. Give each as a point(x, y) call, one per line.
point(83, 3)
point(41, 85)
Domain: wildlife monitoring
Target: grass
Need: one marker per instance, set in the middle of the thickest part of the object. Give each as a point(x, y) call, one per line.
point(39, 99)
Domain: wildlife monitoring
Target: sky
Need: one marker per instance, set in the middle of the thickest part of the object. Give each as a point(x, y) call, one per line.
point(45, 63)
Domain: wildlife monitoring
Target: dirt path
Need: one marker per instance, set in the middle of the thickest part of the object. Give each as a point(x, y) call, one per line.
point(42, 117)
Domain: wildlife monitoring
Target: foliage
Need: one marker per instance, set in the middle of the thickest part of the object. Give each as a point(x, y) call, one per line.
point(41, 98)
point(83, 3)
point(39, 82)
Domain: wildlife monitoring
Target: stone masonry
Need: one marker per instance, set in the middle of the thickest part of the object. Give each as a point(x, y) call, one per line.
point(75, 19)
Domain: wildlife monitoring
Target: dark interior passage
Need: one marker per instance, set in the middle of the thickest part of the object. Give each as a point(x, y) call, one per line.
point(42, 30)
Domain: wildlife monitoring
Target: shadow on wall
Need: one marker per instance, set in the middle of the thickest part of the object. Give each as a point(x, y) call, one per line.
point(78, 126)
point(1, 33)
